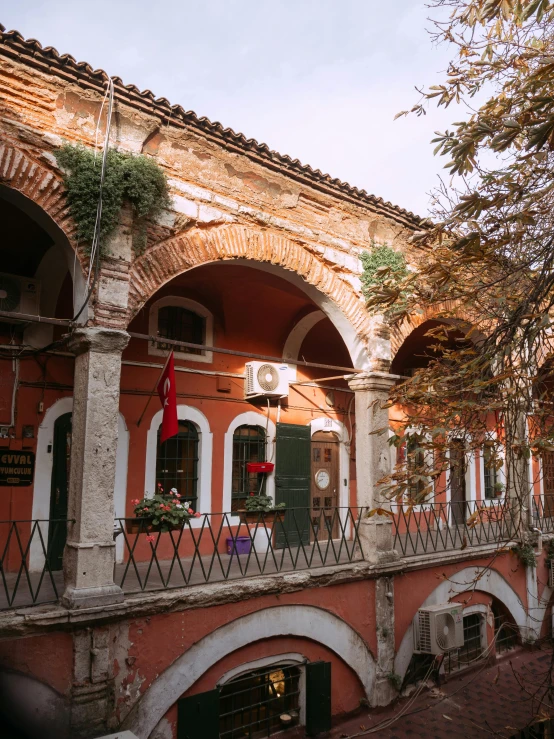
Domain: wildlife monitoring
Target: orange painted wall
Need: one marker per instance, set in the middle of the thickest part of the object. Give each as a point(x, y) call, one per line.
point(156, 642)
point(47, 658)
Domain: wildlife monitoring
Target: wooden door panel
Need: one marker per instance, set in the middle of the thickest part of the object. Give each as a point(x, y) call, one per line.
point(324, 485)
point(292, 482)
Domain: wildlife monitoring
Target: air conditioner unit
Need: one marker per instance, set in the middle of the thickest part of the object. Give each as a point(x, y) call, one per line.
point(267, 379)
point(439, 628)
point(19, 294)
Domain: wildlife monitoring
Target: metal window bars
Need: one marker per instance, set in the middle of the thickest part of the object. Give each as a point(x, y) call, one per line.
point(439, 527)
point(220, 546)
point(27, 577)
point(252, 705)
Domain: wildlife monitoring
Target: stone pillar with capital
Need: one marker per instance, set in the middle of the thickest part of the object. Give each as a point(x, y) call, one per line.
point(373, 462)
point(89, 552)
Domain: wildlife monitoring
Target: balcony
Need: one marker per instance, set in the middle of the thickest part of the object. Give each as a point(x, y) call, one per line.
point(441, 527)
point(219, 547)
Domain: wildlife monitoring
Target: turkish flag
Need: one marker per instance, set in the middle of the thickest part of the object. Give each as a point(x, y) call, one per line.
point(168, 396)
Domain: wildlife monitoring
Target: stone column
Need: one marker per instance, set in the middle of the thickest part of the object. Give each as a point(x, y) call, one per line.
point(89, 552)
point(373, 461)
point(386, 685)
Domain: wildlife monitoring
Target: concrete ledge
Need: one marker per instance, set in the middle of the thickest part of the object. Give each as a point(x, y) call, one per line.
point(40, 619)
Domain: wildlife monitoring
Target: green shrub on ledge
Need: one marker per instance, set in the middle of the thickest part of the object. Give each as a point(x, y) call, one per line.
point(129, 178)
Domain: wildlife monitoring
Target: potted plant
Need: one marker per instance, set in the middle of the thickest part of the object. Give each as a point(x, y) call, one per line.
point(162, 512)
point(498, 489)
point(260, 509)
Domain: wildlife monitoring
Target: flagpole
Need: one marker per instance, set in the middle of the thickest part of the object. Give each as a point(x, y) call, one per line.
point(153, 390)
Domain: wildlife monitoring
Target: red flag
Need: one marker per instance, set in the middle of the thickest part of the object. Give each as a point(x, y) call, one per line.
point(168, 397)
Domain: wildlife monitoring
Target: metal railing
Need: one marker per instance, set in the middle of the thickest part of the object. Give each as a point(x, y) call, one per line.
point(221, 546)
point(542, 513)
point(29, 570)
point(440, 527)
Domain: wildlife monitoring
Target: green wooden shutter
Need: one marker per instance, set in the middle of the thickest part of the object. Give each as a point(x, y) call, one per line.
point(198, 716)
point(318, 697)
point(292, 482)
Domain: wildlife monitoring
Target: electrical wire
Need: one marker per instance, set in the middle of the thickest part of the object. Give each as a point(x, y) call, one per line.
point(388, 722)
point(95, 247)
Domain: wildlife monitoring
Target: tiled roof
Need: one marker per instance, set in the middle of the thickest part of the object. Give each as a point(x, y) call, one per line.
point(31, 52)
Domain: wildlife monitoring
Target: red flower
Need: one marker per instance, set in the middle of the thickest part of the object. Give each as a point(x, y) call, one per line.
point(197, 515)
point(136, 501)
point(190, 511)
point(150, 538)
point(145, 509)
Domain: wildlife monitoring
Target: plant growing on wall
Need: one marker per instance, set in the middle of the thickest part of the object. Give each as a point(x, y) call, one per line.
point(526, 555)
point(129, 178)
point(383, 268)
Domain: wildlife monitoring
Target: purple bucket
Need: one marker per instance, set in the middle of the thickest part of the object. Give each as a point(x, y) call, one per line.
point(239, 545)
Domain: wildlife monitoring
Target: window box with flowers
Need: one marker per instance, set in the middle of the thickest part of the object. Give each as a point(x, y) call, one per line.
point(260, 509)
point(163, 512)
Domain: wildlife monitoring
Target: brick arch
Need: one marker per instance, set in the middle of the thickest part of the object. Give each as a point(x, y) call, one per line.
point(400, 333)
point(39, 184)
point(202, 246)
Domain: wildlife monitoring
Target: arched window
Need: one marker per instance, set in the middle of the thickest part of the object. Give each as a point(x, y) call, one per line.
point(248, 446)
point(181, 319)
point(179, 324)
point(177, 462)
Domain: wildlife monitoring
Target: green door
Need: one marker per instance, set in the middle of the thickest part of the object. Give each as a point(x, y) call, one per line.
point(292, 483)
point(198, 716)
point(61, 452)
point(318, 698)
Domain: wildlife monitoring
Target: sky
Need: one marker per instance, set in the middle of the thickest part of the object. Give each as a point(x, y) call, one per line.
point(319, 80)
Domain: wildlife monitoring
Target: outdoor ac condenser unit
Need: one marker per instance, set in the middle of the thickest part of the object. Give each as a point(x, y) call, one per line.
point(19, 294)
point(267, 379)
point(439, 628)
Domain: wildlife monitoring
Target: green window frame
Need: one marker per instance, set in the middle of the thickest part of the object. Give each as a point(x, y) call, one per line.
point(179, 324)
point(251, 705)
point(177, 462)
point(249, 445)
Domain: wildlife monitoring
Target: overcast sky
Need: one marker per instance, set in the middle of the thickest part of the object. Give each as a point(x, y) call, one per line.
point(320, 80)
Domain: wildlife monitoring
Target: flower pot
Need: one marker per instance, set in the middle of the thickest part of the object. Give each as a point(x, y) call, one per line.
point(261, 518)
point(145, 526)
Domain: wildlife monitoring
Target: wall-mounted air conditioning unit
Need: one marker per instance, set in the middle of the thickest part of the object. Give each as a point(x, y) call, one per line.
point(439, 628)
point(267, 379)
point(19, 295)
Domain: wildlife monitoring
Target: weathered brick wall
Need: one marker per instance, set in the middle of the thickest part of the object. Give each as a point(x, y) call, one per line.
point(231, 197)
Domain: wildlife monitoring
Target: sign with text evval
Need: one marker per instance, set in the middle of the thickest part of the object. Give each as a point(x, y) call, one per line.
point(16, 468)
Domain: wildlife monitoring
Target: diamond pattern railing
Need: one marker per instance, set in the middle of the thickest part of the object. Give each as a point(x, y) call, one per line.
point(20, 585)
point(542, 513)
point(439, 527)
point(219, 547)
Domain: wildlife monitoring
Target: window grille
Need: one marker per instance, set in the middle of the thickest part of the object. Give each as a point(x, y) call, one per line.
point(180, 324)
point(506, 632)
point(415, 459)
point(177, 462)
point(252, 705)
point(248, 446)
point(490, 474)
